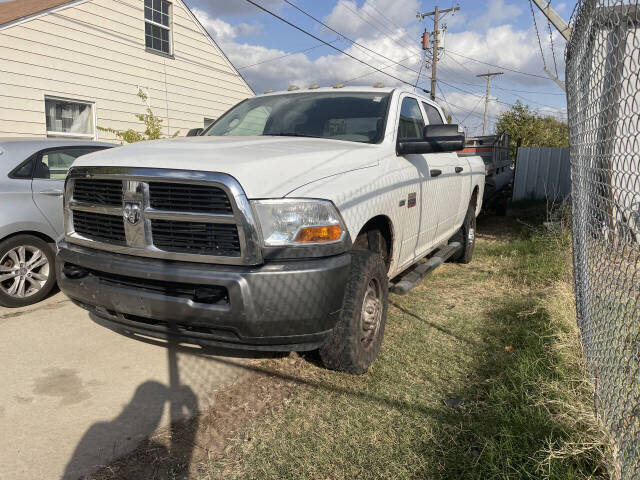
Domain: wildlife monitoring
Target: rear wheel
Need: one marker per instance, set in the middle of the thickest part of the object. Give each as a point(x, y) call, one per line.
point(26, 270)
point(355, 341)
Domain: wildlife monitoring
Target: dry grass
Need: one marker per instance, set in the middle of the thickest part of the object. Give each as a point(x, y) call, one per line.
point(480, 376)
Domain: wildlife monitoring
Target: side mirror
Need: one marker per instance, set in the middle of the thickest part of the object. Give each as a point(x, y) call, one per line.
point(194, 132)
point(436, 138)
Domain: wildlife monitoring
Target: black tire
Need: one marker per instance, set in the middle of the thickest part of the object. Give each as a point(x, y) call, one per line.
point(349, 348)
point(466, 236)
point(30, 242)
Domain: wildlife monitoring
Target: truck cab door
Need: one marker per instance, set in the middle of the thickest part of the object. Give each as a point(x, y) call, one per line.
point(47, 186)
point(452, 171)
point(419, 218)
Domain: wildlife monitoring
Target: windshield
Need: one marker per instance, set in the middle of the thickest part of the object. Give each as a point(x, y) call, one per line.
point(355, 117)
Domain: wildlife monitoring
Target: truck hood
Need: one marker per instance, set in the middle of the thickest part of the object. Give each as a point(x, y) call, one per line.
point(265, 166)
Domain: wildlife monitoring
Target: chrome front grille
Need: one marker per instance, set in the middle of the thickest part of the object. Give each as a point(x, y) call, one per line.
point(189, 198)
point(100, 192)
point(100, 227)
point(196, 237)
point(172, 214)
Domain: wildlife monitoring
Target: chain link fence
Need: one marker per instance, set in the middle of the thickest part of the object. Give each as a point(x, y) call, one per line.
point(603, 96)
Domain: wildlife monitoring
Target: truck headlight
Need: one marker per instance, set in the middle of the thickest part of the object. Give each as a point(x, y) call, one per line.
point(298, 221)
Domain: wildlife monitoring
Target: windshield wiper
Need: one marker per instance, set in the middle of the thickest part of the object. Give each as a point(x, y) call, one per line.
point(292, 134)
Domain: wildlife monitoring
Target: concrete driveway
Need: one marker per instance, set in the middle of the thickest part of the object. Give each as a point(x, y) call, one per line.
point(76, 395)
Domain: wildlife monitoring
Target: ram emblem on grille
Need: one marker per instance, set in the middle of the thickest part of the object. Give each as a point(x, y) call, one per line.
point(131, 212)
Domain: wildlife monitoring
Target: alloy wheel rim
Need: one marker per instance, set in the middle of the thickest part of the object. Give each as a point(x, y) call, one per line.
point(24, 270)
point(371, 313)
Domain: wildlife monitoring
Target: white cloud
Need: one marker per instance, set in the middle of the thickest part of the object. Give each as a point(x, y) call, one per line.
point(496, 13)
point(366, 21)
point(224, 8)
point(223, 31)
point(504, 46)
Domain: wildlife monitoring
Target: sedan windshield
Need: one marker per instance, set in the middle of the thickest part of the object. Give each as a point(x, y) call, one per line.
point(351, 116)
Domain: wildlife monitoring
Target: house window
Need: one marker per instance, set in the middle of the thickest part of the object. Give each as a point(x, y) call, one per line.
point(69, 118)
point(156, 25)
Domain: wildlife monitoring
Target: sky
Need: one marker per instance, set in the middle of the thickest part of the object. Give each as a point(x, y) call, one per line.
point(386, 34)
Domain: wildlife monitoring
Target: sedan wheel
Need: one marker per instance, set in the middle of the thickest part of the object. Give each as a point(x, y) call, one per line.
point(26, 270)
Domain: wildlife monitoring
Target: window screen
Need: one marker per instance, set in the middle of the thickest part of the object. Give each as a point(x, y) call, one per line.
point(411, 121)
point(156, 26)
point(433, 115)
point(69, 118)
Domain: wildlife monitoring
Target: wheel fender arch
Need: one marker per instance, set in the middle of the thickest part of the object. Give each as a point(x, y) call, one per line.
point(384, 224)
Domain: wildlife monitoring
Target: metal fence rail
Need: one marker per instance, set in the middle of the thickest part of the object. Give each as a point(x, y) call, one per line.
point(542, 173)
point(603, 95)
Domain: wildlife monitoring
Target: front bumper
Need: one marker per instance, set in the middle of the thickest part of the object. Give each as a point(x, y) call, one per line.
point(288, 305)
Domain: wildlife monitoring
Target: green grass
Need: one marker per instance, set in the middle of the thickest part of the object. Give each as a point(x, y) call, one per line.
point(480, 377)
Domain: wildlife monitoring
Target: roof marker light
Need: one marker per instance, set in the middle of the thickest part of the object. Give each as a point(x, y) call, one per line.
point(268, 91)
point(313, 86)
point(378, 85)
point(338, 85)
point(293, 87)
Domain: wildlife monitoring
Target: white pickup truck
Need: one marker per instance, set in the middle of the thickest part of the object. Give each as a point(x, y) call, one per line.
point(283, 226)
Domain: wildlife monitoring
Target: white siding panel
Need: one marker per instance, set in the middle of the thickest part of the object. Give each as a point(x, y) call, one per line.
point(30, 87)
point(115, 68)
point(18, 103)
point(8, 128)
point(94, 51)
point(79, 42)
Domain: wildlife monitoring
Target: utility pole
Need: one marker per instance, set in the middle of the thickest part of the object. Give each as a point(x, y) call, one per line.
point(562, 26)
point(555, 78)
point(434, 62)
point(486, 100)
point(554, 18)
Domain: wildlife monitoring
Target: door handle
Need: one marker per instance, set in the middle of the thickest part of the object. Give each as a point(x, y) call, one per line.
point(52, 193)
point(435, 172)
point(459, 169)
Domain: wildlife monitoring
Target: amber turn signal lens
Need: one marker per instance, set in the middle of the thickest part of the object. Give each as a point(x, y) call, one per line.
point(329, 233)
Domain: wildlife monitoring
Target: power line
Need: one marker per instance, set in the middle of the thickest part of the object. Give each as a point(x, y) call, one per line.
point(464, 109)
point(383, 68)
point(502, 88)
point(498, 66)
point(344, 36)
point(403, 45)
point(505, 89)
point(447, 102)
point(402, 30)
point(325, 42)
point(472, 110)
point(286, 55)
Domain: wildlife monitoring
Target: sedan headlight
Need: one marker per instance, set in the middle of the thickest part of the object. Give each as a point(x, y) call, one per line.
point(298, 222)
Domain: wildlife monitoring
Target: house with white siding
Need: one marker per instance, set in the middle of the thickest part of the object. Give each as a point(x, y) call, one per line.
point(68, 67)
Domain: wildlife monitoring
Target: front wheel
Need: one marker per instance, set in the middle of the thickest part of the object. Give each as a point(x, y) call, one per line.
point(26, 270)
point(355, 341)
